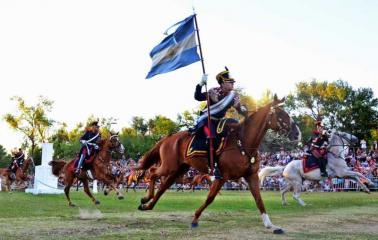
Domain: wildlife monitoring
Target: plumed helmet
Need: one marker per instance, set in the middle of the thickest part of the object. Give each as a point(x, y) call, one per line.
point(224, 76)
point(94, 124)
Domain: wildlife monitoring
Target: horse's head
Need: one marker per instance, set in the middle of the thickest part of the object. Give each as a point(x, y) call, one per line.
point(339, 143)
point(280, 121)
point(115, 145)
point(342, 139)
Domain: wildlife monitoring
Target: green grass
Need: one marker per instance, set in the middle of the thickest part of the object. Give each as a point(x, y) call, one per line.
point(233, 215)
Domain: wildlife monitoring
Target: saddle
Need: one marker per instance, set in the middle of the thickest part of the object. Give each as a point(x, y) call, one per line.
point(199, 143)
point(87, 164)
point(309, 163)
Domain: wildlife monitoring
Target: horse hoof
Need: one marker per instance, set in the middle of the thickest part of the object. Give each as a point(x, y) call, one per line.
point(97, 202)
point(143, 201)
point(278, 231)
point(71, 205)
point(141, 207)
point(120, 197)
point(194, 225)
point(106, 193)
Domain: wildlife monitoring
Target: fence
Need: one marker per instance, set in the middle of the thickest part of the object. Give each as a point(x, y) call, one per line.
point(329, 185)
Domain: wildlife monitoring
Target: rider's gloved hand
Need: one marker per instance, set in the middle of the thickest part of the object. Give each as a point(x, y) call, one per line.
point(83, 142)
point(203, 80)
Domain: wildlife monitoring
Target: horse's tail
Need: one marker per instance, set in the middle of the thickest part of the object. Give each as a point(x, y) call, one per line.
point(57, 166)
point(269, 172)
point(151, 157)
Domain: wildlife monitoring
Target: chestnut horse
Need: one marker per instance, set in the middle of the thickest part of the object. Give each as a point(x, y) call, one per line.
point(101, 169)
point(238, 159)
point(200, 179)
point(133, 179)
point(21, 175)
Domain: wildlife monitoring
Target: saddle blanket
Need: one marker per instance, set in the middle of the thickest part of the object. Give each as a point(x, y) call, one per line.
point(309, 164)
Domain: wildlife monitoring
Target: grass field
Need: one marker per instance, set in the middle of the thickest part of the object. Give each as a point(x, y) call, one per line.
point(233, 215)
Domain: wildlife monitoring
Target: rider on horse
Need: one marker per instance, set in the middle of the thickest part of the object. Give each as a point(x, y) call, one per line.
point(18, 159)
point(222, 98)
point(318, 147)
point(89, 145)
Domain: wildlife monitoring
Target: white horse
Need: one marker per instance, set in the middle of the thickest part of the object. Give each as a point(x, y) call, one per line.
point(336, 167)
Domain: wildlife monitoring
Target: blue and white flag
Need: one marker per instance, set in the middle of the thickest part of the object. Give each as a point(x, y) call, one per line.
point(177, 50)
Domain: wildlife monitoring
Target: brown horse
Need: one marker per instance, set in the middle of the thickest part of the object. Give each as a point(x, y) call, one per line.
point(134, 178)
point(21, 175)
point(101, 169)
point(238, 159)
point(200, 179)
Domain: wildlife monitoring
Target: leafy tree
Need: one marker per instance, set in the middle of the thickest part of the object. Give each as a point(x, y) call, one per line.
point(360, 114)
point(139, 124)
point(66, 144)
point(163, 126)
point(31, 121)
point(5, 158)
point(186, 119)
point(320, 100)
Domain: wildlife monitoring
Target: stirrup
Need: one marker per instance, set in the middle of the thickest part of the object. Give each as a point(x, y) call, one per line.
point(324, 174)
point(217, 174)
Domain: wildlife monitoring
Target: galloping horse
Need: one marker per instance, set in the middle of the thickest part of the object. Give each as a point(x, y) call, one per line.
point(21, 175)
point(336, 167)
point(200, 179)
point(238, 159)
point(100, 169)
point(134, 178)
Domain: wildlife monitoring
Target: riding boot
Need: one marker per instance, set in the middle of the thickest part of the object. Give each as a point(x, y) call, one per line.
point(79, 165)
point(217, 173)
point(322, 166)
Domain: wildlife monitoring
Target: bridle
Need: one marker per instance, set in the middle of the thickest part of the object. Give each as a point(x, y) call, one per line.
point(116, 148)
point(282, 128)
point(345, 143)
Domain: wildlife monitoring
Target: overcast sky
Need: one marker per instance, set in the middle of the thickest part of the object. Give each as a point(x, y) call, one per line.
point(91, 57)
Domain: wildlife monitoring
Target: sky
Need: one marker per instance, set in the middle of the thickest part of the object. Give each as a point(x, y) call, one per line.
point(91, 57)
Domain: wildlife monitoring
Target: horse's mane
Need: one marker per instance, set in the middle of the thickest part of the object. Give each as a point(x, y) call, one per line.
point(251, 116)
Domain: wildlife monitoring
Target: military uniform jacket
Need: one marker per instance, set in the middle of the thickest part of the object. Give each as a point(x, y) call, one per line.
point(216, 94)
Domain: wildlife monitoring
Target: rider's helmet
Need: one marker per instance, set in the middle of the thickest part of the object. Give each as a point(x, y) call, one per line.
point(224, 77)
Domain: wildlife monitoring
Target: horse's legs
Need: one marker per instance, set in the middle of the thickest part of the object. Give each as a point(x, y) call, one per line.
point(165, 184)
point(215, 187)
point(150, 191)
point(357, 176)
point(68, 182)
point(88, 191)
point(297, 186)
point(110, 184)
point(254, 186)
point(284, 190)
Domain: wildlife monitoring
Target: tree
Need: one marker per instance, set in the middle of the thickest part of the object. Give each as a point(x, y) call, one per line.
point(186, 119)
point(139, 124)
point(5, 158)
point(163, 126)
point(320, 100)
point(31, 121)
point(337, 104)
point(360, 116)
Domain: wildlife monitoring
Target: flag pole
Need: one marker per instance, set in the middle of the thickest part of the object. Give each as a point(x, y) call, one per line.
point(207, 101)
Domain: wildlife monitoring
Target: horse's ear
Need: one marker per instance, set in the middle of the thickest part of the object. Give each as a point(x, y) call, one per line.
point(275, 98)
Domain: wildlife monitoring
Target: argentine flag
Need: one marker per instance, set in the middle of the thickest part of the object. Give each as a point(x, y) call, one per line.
point(177, 50)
